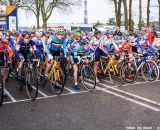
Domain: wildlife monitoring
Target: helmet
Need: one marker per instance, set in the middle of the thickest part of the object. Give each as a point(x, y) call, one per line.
point(84, 41)
point(76, 36)
point(143, 32)
point(60, 32)
point(125, 46)
point(125, 32)
point(158, 32)
point(38, 34)
point(116, 38)
point(111, 32)
point(131, 38)
point(97, 32)
point(7, 34)
point(144, 44)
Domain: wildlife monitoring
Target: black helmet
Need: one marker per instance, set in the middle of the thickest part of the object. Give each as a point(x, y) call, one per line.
point(84, 41)
point(97, 32)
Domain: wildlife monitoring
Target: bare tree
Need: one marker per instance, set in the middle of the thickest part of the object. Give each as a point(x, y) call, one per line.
point(148, 12)
point(47, 7)
point(130, 14)
point(34, 7)
point(125, 14)
point(140, 15)
point(18, 3)
point(117, 5)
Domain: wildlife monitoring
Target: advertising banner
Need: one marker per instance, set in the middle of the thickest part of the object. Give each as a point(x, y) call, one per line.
point(12, 23)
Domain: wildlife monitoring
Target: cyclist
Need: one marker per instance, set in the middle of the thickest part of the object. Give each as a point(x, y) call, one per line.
point(94, 45)
point(54, 48)
point(25, 49)
point(39, 45)
point(77, 46)
point(5, 54)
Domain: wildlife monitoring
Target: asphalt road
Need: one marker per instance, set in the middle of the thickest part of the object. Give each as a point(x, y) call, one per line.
point(130, 107)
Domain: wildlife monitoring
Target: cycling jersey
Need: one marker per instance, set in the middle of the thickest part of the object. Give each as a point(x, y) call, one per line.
point(4, 46)
point(54, 45)
point(26, 49)
point(75, 48)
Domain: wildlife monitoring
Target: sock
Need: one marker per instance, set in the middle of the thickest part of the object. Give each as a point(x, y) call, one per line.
point(76, 83)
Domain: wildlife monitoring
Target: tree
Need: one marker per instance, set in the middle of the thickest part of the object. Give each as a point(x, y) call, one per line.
point(148, 12)
point(34, 7)
point(18, 3)
point(143, 24)
point(130, 14)
point(111, 21)
point(97, 24)
point(47, 7)
point(117, 5)
point(125, 14)
point(140, 15)
point(132, 24)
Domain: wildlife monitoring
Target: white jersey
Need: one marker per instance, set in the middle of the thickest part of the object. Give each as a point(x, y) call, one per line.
point(156, 43)
point(106, 44)
point(94, 43)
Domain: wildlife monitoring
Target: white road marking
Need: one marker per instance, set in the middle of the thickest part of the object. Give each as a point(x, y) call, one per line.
point(130, 94)
point(131, 100)
point(43, 94)
point(10, 96)
point(107, 81)
point(133, 95)
point(71, 91)
point(67, 94)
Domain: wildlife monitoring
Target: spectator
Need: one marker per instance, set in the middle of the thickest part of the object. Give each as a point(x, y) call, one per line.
point(117, 32)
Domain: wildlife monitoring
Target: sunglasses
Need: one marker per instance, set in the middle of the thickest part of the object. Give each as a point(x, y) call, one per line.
point(76, 39)
point(26, 38)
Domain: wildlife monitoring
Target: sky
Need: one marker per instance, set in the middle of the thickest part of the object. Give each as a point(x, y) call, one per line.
point(98, 10)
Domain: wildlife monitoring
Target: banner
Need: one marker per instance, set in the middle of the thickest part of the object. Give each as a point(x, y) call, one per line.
point(12, 23)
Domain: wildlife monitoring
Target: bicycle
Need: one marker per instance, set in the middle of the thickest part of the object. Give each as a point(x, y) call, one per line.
point(148, 68)
point(113, 70)
point(129, 72)
point(56, 75)
point(29, 77)
point(3, 64)
point(85, 71)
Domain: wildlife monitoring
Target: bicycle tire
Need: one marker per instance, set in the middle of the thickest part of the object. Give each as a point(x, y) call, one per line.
point(88, 76)
point(58, 86)
point(147, 67)
point(32, 84)
point(132, 70)
point(118, 76)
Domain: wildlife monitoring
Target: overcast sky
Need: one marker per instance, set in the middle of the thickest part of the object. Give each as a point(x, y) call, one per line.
point(98, 10)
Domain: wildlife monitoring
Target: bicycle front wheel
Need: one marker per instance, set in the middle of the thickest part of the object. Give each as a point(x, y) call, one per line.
point(1, 90)
point(32, 84)
point(150, 71)
point(115, 75)
point(58, 80)
point(88, 78)
point(129, 72)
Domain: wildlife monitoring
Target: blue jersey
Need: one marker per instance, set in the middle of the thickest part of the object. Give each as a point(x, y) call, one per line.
point(54, 45)
point(25, 48)
point(39, 45)
point(11, 43)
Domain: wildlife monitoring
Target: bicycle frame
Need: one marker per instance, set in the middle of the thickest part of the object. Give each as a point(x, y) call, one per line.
point(112, 63)
point(55, 70)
